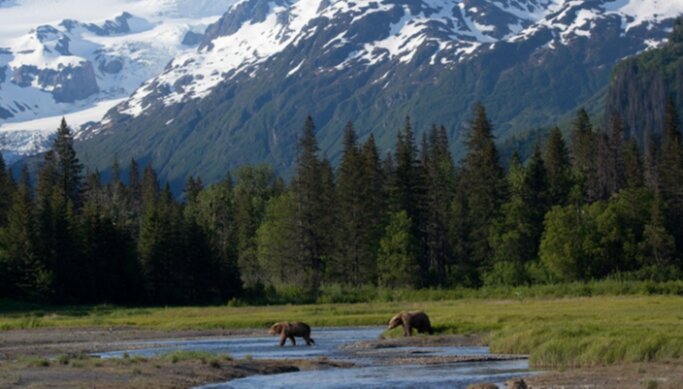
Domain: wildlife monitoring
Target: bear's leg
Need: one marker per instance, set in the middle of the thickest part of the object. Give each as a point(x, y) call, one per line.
point(407, 330)
point(291, 337)
point(308, 340)
point(283, 339)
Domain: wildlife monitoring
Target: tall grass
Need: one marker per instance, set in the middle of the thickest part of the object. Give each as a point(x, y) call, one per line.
point(564, 325)
point(336, 293)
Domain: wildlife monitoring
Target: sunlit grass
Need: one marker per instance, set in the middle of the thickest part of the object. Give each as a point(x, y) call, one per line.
point(555, 332)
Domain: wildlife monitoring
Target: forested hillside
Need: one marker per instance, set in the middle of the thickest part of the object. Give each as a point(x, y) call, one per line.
point(641, 85)
point(589, 209)
point(261, 69)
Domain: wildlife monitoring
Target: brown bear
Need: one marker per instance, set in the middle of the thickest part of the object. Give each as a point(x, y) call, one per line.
point(410, 320)
point(290, 330)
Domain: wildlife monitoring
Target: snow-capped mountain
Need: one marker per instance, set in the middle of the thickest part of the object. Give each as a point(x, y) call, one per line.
point(80, 58)
point(370, 33)
point(241, 94)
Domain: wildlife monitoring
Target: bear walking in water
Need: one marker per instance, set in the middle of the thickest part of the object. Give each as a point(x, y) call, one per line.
point(291, 330)
point(409, 320)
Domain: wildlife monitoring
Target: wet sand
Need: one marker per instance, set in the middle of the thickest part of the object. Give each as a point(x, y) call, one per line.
point(56, 341)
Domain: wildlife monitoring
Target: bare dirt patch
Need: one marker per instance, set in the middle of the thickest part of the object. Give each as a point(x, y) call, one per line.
point(56, 341)
point(649, 375)
point(141, 373)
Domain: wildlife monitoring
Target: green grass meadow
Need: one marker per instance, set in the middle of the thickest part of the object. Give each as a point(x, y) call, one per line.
point(554, 331)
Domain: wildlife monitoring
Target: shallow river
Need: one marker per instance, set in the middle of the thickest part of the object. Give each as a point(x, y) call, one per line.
point(375, 368)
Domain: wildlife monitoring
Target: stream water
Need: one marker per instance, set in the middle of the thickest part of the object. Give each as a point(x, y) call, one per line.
point(374, 368)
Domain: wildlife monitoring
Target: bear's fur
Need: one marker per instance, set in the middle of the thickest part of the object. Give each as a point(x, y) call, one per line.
point(409, 320)
point(290, 330)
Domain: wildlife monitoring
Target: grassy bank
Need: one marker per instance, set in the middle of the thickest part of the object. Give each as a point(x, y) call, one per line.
point(576, 331)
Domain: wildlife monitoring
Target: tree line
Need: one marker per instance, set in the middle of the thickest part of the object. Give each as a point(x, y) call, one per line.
point(590, 208)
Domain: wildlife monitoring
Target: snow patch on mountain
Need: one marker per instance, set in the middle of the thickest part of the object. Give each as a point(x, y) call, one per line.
point(64, 56)
point(78, 57)
point(458, 29)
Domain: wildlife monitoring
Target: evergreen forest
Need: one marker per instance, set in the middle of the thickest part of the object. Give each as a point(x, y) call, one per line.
point(588, 207)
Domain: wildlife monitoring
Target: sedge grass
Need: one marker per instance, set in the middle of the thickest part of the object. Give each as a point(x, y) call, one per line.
point(554, 332)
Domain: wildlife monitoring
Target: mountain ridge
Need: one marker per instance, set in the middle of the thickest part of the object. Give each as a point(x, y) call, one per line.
point(529, 62)
point(258, 70)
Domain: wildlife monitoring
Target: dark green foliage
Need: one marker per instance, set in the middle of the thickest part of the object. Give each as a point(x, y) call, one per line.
point(585, 145)
point(255, 187)
point(570, 235)
point(411, 220)
point(278, 249)
point(111, 269)
point(372, 192)
point(641, 87)
point(23, 271)
point(6, 190)
point(556, 161)
point(397, 258)
point(358, 206)
point(311, 189)
point(440, 186)
point(480, 192)
point(213, 217)
point(658, 245)
point(407, 190)
point(670, 173)
point(68, 167)
point(516, 235)
point(633, 168)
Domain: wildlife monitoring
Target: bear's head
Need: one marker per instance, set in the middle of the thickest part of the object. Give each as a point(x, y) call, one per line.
point(395, 321)
point(276, 329)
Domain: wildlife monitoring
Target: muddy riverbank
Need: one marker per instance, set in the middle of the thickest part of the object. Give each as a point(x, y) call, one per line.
point(59, 358)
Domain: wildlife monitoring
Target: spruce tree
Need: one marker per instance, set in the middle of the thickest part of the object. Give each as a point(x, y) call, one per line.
point(633, 169)
point(650, 162)
point(193, 187)
point(134, 187)
point(397, 259)
point(658, 244)
point(108, 250)
point(6, 190)
point(584, 148)
point(516, 235)
point(440, 175)
point(118, 204)
point(556, 162)
point(59, 193)
point(349, 249)
point(24, 272)
point(307, 187)
point(215, 212)
point(670, 172)
point(373, 208)
point(328, 219)
point(69, 169)
point(536, 198)
point(153, 244)
point(407, 191)
point(617, 150)
point(256, 186)
point(278, 244)
point(481, 190)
